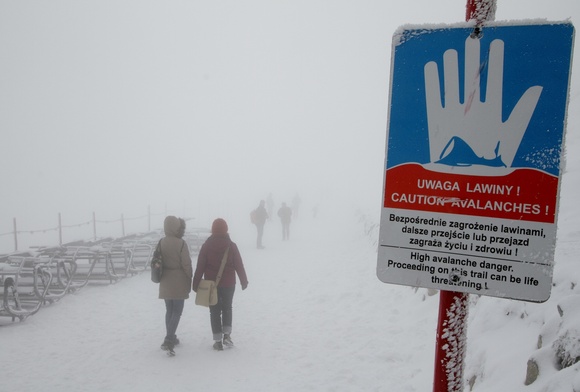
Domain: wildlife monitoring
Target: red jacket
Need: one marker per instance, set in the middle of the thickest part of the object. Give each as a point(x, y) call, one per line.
point(210, 258)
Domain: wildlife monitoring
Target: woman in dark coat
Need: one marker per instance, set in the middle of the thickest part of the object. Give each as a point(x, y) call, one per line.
point(175, 284)
point(208, 264)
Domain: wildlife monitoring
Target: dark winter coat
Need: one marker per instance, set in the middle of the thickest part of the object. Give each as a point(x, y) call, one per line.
point(210, 258)
point(285, 214)
point(261, 215)
point(177, 266)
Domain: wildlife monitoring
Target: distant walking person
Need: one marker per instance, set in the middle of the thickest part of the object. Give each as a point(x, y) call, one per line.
point(259, 216)
point(209, 262)
point(285, 214)
point(175, 284)
point(296, 201)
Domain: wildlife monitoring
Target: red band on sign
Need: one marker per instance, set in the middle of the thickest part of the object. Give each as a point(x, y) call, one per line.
point(524, 194)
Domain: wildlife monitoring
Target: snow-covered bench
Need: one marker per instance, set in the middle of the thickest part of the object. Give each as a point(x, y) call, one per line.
point(93, 264)
point(25, 284)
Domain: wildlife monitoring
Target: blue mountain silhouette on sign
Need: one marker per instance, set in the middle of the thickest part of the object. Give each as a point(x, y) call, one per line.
point(458, 153)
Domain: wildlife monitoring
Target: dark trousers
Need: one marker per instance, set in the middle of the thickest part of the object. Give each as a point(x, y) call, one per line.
point(260, 228)
point(221, 314)
point(173, 310)
point(285, 230)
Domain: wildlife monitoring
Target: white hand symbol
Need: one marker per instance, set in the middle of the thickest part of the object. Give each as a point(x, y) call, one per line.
point(478, 123)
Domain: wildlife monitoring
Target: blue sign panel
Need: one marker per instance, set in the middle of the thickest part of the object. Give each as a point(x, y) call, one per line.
point(475, 135)
point(533, 55)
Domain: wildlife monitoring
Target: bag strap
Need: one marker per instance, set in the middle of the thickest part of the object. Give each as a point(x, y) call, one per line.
point(158, 249)
point(157, 256)
point(181, 250)
point(224, 260)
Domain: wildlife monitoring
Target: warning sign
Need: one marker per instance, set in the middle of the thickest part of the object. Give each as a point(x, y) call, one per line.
point(475, 135)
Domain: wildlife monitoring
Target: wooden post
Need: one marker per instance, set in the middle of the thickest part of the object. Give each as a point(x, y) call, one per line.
point(59, 230)
point(15, 235)
point(94, 227)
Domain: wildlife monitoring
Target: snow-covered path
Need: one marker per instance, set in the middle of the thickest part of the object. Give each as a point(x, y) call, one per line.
point(314, 318)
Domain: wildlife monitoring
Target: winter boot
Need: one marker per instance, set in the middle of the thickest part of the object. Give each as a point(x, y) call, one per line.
point(167, 345)
point(228, 340)
point(218, 345)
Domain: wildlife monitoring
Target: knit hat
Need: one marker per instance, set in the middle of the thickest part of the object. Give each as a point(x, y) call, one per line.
point(219, 226)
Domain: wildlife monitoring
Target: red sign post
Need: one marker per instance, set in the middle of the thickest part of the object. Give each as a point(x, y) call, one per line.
point(454, 306)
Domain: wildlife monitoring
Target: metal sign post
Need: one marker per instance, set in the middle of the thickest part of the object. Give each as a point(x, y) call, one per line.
point(450, 341)
point(450, 344)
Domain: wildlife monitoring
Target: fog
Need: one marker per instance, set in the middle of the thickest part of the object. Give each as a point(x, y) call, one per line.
point(198, 109)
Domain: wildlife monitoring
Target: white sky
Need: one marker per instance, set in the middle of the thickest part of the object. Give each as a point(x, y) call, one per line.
point(200, 108)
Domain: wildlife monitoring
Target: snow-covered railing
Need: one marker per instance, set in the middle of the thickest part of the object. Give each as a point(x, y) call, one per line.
point(43, 276)
point(93, 225)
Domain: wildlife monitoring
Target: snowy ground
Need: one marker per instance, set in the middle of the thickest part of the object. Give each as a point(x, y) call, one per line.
point(314, 318)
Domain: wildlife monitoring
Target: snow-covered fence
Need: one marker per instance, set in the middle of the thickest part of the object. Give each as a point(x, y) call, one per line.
point(96, 227)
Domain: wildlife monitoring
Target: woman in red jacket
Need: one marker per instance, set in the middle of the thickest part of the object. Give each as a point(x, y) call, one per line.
point(208, 264)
